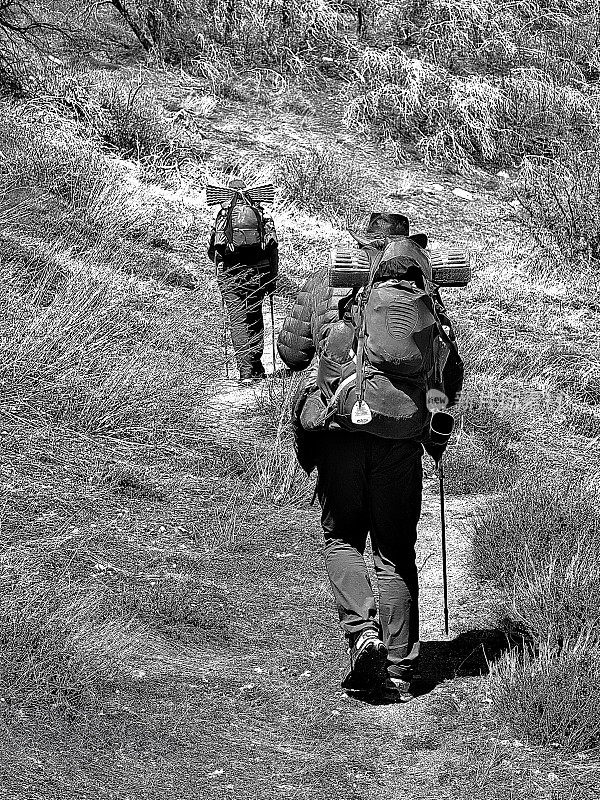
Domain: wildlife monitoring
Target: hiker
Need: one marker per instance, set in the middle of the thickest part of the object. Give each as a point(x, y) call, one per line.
point(367, 441)
point(243, 246)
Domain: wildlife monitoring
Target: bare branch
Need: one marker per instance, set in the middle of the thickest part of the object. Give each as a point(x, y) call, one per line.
point(137, 29)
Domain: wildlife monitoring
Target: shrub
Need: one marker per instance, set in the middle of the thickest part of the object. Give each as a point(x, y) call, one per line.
point(483, 82)
point(541, 544)
point(132, 121)
point(319, 180)
point(282, 37)
point(554, 696)
point(561, 197)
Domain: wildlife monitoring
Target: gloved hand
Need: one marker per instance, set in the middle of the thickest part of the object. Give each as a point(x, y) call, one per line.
point(441, 426)
point(273, 270)
point(436, 451)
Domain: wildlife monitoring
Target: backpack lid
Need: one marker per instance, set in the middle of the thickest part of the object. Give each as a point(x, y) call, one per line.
point(401, 257)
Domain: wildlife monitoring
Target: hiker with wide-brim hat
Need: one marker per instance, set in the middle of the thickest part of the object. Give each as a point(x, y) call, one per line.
point(383, 225)
point(369, 469)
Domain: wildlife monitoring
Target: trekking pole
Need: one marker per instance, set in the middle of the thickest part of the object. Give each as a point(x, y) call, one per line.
point(444, 560)
point(272, 330)
point(225, 348)
point(440, 427)
point(225, 340)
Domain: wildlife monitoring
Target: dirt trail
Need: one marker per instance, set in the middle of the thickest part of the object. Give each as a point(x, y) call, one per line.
point(420, 741)
point(250, 704)
point(236, 695)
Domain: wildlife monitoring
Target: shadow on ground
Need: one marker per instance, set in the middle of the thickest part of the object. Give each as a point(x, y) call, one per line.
point(467, 655)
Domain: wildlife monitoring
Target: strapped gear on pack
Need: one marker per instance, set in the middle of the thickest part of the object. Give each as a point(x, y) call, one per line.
point(381, 366)
point(242, 222)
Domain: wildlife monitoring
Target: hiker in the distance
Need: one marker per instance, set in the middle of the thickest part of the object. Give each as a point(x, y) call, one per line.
point(243, 246)
point(385, 352)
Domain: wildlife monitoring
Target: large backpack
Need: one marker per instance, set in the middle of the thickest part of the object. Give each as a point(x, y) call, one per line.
point(380, 368)
point(242, 224)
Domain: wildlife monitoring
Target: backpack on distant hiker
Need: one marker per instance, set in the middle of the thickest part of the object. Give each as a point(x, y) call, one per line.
point(381, 366)
point(242, 228)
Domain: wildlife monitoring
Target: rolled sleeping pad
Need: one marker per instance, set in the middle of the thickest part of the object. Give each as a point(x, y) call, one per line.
point(351, 268)
point(348, 268)
point(225, 194)
point(450, 267)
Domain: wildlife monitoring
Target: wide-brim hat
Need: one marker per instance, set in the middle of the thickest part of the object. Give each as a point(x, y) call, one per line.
point(383, 225)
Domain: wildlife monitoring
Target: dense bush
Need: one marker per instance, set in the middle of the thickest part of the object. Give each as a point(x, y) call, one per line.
point(132, 121)
point(479, 81)
point(554, 696)
point(561, 197)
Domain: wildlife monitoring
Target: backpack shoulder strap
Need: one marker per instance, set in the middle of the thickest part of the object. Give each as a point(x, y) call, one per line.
point(437, 308)
point(346, 303)
point(229, 221)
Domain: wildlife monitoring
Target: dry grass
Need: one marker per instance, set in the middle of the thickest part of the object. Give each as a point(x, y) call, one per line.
point(129, 118)
point(478, 82)
point(167, 526)
point(59, 649)
point(84, 205)
point(89, 369)
point(275, 474)
point(560, 198)
point(553, 697)
point(77, 360)
point(540, 543)
point(319, 180)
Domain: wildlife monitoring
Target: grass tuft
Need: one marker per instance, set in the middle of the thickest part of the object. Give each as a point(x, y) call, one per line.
point(318, 180)
point(541, 544)
point(58, 649)
point(552, 698)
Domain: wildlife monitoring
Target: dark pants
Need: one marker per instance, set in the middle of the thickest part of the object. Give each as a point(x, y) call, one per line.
point(368, 484)
point(243, 296)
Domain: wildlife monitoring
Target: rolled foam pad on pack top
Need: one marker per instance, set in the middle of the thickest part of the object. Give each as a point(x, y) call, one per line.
point(351, 268)
point(219, 194)
point(262, 194)
point(348, 268)
point(450, 267)
point(225, 194)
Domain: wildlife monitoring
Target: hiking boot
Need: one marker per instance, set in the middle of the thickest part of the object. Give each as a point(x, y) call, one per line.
point(251, 374)
point(258, 371)
point(398, 690)
point(368, 663)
